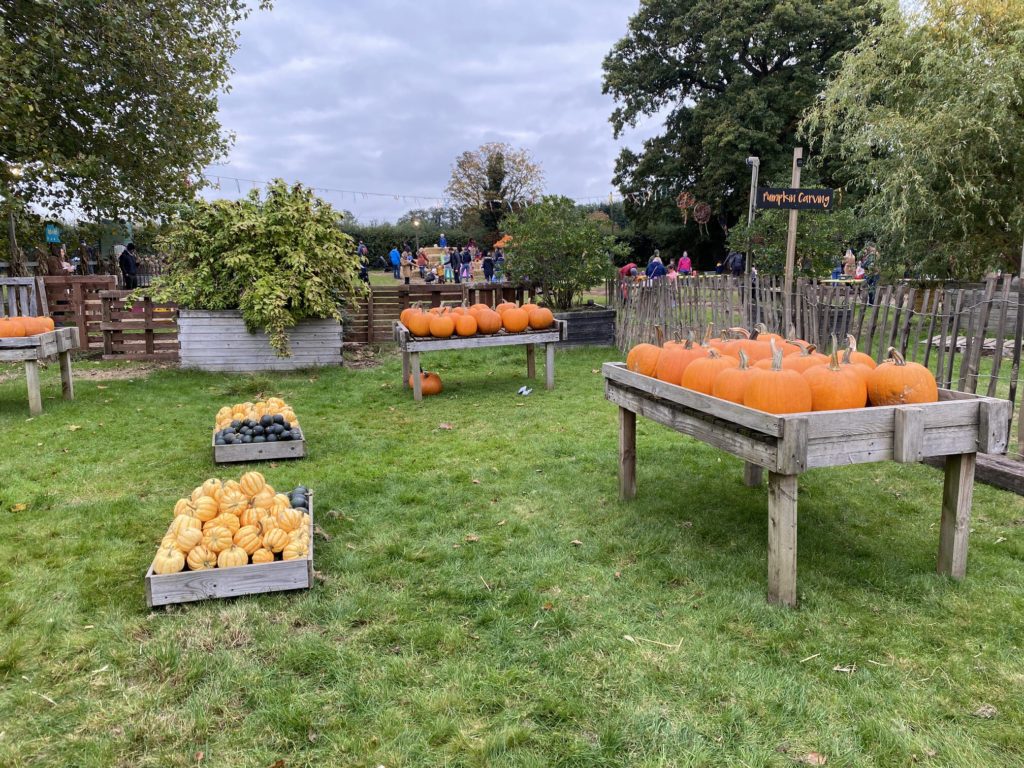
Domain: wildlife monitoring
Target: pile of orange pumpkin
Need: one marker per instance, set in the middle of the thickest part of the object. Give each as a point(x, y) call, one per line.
point(462, 321)
point(769, 373)
point(224, 525)
point(18, 327)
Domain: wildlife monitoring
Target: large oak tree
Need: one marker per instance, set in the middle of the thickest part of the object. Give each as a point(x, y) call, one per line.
point(731, 80)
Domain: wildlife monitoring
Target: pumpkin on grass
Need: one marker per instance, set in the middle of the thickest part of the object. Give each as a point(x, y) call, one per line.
point(897, 382)
point(701, 373)
point(836, 387)
point(430, 383)
point(731, 383)
point(643, 359)
point(777, 389)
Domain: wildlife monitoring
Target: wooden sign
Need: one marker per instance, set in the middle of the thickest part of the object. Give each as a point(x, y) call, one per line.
point(794, 199)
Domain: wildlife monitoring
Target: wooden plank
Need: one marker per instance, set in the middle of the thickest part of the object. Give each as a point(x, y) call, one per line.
point(792, 451)
point(782, 530)
point(245, 452)
point(627, 453)
point(417, 381)
point(1004, 303)
point(954, 530)
point(712, 406)
point(756, 448)
point(908, 435)
point(66, 381)
point(994, 425)
point(35, 399)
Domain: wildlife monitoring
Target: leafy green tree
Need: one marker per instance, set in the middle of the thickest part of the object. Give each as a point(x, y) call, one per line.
point(732, 81)
point(111, 107)
point(925, 118)
point(556, 245)
point(279, 260)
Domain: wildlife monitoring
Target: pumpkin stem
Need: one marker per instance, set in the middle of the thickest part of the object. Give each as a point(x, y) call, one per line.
point(707, 336)
point(776, 355)
point(835, 343)
point(714, 353)
point(851, 342)
point(808, 350)
point(846, 356)
point(660, 333)
point(741, 332)
point(759, 330)
point(896, 357)
point(833, 361)
point(744, 363)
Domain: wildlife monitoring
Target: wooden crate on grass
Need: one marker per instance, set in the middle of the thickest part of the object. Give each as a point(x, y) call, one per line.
point(242, 452)
point(251, 579)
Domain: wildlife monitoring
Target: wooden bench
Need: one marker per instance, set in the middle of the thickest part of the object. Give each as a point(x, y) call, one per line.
point(26, 297)
point(412, 346)
point(957, 428)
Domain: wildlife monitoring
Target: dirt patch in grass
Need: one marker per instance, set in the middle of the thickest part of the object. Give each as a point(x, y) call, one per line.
point(360, 356)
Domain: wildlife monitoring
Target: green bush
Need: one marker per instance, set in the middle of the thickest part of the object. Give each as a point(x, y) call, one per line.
point(279, 260)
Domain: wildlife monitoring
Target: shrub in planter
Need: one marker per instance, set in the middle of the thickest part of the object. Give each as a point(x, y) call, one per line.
point(556, 246)
point(277, 259)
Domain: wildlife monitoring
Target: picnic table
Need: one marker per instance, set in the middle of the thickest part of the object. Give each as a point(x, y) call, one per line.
point(413, 346)
point(957, 428)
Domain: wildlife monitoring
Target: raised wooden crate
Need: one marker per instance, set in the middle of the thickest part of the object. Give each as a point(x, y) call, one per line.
point(412, 346)
point(958, 427)
point(31, 350)
point(252, 579)
point(282, 449)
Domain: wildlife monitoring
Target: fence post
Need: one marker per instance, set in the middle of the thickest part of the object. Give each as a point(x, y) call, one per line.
point(369, 318)
point(108, 335)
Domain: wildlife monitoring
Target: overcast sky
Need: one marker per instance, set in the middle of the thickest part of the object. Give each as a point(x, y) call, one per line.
point(382, 95)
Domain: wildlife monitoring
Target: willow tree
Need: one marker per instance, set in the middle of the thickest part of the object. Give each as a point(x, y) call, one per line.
point(110, 106)
point(925, 119)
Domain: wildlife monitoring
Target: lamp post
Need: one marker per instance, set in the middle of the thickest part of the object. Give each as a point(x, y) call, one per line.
point(416, 226)
point(755, 165)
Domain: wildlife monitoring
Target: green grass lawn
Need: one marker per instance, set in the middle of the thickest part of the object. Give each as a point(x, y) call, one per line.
point(456, 623)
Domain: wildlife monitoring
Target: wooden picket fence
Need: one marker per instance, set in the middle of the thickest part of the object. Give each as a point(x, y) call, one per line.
point(139, 330)
point(949, 328)
point(372, 319)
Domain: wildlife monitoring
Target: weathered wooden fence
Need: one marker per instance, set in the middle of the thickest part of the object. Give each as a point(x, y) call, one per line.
point(75, 301)
point(139, 330)
point(372, 320)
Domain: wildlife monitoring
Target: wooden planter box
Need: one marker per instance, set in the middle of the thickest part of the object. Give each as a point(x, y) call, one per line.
point(219, 341)
point(958, 427)
point(589, 327)
point(238, 453)
point(252, 579)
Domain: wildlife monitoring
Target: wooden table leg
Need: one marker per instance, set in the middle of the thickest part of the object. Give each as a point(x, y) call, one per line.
point(549, 365)
point(66, 382)
point(627, 454)
point(531, 361)
point(405, 370)
point(35, 398)
point(782, 493)
point(752, 475)
point(417, 383)
point(957, 495)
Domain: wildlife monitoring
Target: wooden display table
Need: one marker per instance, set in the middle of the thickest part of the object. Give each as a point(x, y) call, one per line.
point(957, 427)
point(412, 346)
point(32, 349)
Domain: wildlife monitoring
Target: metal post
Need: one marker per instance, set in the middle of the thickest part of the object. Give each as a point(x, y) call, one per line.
point(787, 287)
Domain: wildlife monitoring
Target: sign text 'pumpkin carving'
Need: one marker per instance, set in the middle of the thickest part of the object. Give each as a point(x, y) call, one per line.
point(791, 198)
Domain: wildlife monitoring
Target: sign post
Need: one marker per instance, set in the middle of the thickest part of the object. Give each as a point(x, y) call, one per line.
point(52, 233)
point(787, 296)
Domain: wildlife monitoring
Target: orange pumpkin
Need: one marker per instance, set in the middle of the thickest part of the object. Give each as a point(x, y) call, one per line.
point(419, 324)
point(673, 360)
point(897, 382)
point(528, 307)
point(643, 359)
point(541, 318)
point(408, 313)
point(11, 328)
point(515, 320)
point(776, 389)
point(836, 387)
point(807, 358)
point(488, 321)
point(731, 383)
point(441, 326)
point(465, 325)
point(430, 383)
point(701, 373)
point(505, 305)
point(35, 325)
point(858, 357)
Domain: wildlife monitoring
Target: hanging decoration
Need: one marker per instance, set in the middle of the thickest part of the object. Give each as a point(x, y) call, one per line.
point(684, 201)
point(702, 215)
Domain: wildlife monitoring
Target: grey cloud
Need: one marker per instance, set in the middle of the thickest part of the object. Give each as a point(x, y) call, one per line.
point(382, 96)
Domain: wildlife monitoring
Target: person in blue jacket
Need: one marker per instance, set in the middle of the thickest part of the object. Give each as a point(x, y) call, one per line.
point(442, 242)
point(396, 261)
point(655, 268)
